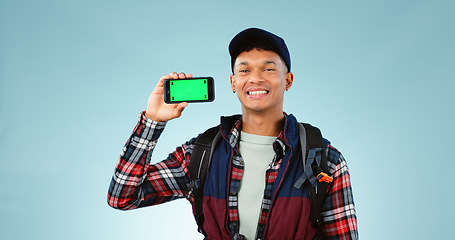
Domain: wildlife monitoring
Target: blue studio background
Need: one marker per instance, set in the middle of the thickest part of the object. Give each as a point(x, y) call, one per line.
point(376, 76)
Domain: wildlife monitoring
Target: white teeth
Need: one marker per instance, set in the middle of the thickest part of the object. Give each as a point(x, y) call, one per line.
point(258, 92)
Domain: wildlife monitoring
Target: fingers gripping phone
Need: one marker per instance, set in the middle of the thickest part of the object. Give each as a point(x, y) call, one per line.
point(199, 89)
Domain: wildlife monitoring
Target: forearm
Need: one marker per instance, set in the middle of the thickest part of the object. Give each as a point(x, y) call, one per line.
point(136, 183)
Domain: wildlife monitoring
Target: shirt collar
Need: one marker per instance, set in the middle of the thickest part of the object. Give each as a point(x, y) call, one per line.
point(279, 146)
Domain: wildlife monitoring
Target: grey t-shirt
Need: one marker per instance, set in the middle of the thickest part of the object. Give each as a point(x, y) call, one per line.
point(257, 154)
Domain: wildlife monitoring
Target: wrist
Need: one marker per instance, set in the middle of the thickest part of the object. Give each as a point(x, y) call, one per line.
point(147, 115)
point(153, 117)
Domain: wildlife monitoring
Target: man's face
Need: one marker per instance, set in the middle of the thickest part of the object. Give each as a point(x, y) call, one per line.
point(260, 79)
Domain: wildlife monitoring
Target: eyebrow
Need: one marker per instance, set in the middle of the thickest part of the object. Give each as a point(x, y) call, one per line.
point(242, 63)
point(270, 62)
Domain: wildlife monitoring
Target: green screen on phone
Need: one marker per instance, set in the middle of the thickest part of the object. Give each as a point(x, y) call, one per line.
point(188, 90)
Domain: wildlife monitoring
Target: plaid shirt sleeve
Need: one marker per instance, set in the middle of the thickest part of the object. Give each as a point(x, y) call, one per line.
point(137, 183)
point(339, 219)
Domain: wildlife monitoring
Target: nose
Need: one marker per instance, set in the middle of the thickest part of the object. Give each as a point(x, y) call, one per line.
point(255, 76)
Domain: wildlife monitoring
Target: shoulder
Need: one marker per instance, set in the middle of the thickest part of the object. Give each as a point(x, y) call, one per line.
point(336, 162)
point(333, 155)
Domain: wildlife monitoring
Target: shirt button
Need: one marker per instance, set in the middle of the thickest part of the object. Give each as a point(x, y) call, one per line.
point(234, 193)
point(241, 162)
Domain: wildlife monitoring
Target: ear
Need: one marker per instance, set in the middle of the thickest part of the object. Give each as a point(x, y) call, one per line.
point(232, 79)
point(289, 80)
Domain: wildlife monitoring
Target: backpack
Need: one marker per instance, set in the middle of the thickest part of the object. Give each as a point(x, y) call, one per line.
point(314, 175)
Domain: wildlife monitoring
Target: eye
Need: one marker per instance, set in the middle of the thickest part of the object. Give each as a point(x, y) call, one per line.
point(269, 69)
point(243, 70)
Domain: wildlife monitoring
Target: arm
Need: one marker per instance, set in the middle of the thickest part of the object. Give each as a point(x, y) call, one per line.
point(339, 219)
point(137, 183)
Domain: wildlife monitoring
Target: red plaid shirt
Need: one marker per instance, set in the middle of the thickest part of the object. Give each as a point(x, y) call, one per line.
point(137, 183)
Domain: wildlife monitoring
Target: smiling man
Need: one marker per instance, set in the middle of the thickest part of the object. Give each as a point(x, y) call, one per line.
point(254, 186)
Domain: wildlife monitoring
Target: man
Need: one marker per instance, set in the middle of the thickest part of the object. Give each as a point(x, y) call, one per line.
point(248, 193)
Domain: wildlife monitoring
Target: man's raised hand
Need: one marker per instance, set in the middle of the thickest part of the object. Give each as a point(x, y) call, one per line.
point(157, 109)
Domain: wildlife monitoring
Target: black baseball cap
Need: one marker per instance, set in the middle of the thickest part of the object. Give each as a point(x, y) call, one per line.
point(235, 47)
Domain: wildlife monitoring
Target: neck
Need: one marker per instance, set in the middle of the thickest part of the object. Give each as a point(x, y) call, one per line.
point(262, 124)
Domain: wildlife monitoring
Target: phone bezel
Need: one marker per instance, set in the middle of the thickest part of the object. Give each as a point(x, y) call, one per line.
point(210, 86)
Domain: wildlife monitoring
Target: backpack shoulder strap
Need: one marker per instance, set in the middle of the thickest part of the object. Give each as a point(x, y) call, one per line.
point(201, 158)
point(313, 155)
point(315, 171)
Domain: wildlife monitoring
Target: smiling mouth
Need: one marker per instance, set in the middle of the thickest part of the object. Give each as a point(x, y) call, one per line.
point(258, 92)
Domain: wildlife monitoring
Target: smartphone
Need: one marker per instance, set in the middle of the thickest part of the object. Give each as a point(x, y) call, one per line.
point(200, 89)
